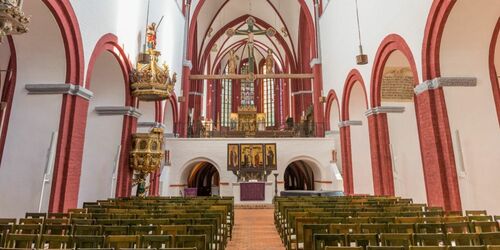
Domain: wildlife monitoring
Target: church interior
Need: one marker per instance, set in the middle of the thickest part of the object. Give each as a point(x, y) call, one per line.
point(250, 124)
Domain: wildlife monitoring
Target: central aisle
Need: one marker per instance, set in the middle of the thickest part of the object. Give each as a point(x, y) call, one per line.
point(254, 229)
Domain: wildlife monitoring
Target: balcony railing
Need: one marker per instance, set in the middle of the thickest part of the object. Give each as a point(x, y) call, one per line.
point(291, 130)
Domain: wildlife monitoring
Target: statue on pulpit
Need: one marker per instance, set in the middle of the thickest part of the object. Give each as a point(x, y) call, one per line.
point(151, 37)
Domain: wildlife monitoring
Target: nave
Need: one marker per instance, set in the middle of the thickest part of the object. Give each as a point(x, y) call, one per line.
point(319, 223)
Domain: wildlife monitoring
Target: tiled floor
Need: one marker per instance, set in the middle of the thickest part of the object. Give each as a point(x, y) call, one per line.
point(254, 230)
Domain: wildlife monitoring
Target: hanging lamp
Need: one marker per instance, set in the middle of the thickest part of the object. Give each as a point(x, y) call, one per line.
point(361, 58)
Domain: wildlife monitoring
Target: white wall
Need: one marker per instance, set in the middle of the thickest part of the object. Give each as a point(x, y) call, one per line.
point(339, 39)
point(33, 118)
point(335, 132)
point(127, 21)
point(169, 118)
point(147, 110)
point(360, 143)
point(405, 147)
point(471, 111)
point(407, 167)
point(215, 152)
point(103, 133)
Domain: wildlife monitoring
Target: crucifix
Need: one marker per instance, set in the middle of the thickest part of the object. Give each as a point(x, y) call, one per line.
point(252, 31)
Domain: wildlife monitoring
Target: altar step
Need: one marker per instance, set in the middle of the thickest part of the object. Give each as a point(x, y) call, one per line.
point(254, 206)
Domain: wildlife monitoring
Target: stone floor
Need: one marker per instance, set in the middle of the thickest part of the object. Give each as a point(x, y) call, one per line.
point(254, 230)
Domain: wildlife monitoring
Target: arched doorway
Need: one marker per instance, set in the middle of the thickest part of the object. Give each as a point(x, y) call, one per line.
point(204, 176)
point(299, 176)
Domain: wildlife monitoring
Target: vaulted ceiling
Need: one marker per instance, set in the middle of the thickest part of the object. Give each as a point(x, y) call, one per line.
point(213, 17)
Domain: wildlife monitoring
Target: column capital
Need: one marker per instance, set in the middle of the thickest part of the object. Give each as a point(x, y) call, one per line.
point(118, 110)
point(445, 82)
point(349, 123)
point(188, 63)
point(58, 89)
point(384, 110)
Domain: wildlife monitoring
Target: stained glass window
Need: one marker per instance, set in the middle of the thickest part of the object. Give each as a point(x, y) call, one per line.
point(269, 100)
point(226, 97)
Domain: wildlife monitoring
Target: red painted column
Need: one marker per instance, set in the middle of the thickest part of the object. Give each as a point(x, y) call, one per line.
point(345, 138)
point(437, 151)
point(440, 174)
point(125, 174)
point(183, 116)
point(67, 168)
point(383, 179)
point(209, 101)
point(319, 118)
point(286, 100)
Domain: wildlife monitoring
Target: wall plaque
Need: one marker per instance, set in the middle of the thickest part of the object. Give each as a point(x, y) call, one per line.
point(397, 84)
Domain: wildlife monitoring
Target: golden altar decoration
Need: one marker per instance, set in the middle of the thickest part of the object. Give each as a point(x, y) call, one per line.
point(12, 19)
point(249, 121)
point(149, 80)
point(146, 156)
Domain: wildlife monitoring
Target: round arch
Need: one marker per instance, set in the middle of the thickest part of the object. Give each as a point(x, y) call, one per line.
point(73, 44)
point(9, 85)
point(60, 60)
point(298, 176)
point(395, 143)
point(390, 44)
point(187, 167)
point(494, 57)
point(204, 177)
point(108, 43)
point(353, 79)
point(171, 114)
point(332, 103)
point(465, 49)
point(437, 149)
point(438, 15)
point(314, 164)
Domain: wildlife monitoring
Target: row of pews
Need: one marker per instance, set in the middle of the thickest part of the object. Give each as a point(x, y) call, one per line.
point(380, 223)
point(166, 223)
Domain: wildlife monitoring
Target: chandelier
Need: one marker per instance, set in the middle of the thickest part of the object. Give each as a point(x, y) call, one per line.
point(12, 18)
point(149, 80)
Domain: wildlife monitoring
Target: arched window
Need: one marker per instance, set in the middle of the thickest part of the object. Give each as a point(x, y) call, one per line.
point(226, 97)
point(268, 100)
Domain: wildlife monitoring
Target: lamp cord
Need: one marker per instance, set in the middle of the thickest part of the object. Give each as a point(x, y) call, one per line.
point(359, 27)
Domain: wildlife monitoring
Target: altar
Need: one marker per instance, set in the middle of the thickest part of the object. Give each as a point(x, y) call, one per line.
point(248, 120)
point(253, 192)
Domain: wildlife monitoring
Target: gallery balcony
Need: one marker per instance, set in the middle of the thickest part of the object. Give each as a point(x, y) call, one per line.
point(290, 130)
